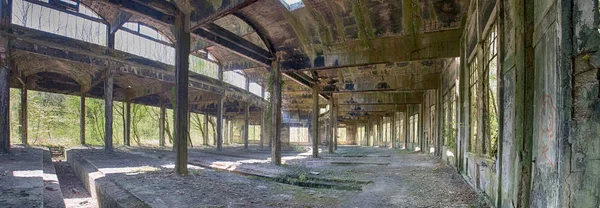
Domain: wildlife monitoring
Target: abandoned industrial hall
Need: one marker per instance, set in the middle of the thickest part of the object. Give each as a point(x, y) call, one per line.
point(300, 103)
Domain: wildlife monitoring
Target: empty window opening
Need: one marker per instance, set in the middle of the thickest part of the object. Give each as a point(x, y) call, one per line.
point(292, 5)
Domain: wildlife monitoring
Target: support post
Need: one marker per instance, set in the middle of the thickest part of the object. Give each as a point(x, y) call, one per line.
point(182, 29)
point(246, 125)
point(335, 128)
point(262, 127)
point(276, 114)
point(205, 136)
point(127, 124)
point(82, 119)
point(330, 128)
point(421, 131)
point(4, 108)
point(315, 121)
point(406, 127)
point(161, 123)
point(220, 111)
point(380, 132)
point(23, 115)
point(220, 123)
point(393, 131)
point(108, 111)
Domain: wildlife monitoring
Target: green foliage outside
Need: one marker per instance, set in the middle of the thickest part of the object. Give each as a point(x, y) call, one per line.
point(53, 120)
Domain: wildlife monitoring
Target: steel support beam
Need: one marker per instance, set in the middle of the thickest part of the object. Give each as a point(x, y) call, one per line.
point(227, 43)
point(330, 128)
point(220, 110)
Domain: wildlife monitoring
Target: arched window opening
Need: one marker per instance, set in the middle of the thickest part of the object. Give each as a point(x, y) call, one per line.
point(78, 22)
point(141, 40)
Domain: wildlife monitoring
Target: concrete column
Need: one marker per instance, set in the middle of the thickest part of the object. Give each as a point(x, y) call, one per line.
point(421, 131)
point(182, 54)
point(220, 112)
point(380, 132)
point(220, 123)
point(23, 115)
point(276, 114)
point(161, 123)
point(315, 121)
point(439, 127)
point(4, 109)
point(262, 127)
point(127, 124)
point(108, 112)
point(231, 131)
point(406, 128)
point(82, 119)
point(394, 132)
point(330, 128)
point(205, 136)
point(335, 127)
point(246, 125)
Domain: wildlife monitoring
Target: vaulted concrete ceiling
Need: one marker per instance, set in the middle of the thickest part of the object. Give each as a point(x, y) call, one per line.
point(358, 46)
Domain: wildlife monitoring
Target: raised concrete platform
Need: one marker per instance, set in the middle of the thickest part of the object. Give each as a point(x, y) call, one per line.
point(143, 177)
point(28, 179)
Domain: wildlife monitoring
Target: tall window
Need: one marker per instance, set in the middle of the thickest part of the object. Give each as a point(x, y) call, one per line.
point(491, 55)
point(473, 105)
point(299, 134)
point(87, 28)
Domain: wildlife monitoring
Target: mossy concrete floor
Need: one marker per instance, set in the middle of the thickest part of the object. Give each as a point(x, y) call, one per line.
point(353, 177)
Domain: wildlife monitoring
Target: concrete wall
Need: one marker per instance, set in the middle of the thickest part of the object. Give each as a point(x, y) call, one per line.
point(549, 54)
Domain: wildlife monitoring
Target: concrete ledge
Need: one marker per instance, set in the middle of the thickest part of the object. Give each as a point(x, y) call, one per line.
point(52, 194)
point(21, 177)
point(108, 193)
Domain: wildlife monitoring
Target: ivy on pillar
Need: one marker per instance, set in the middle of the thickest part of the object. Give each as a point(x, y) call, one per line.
point(276, 113)
point(182, 53)
point(108, 111)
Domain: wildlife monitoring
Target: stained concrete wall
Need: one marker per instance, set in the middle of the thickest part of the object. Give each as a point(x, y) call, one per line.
point(549, 54)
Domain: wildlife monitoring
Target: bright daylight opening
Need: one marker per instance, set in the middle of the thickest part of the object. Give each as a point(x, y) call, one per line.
point(293, 4)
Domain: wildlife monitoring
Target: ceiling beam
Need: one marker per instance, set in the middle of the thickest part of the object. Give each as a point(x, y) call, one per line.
point(143, 9)
point(205, 12)
point(227, 40)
